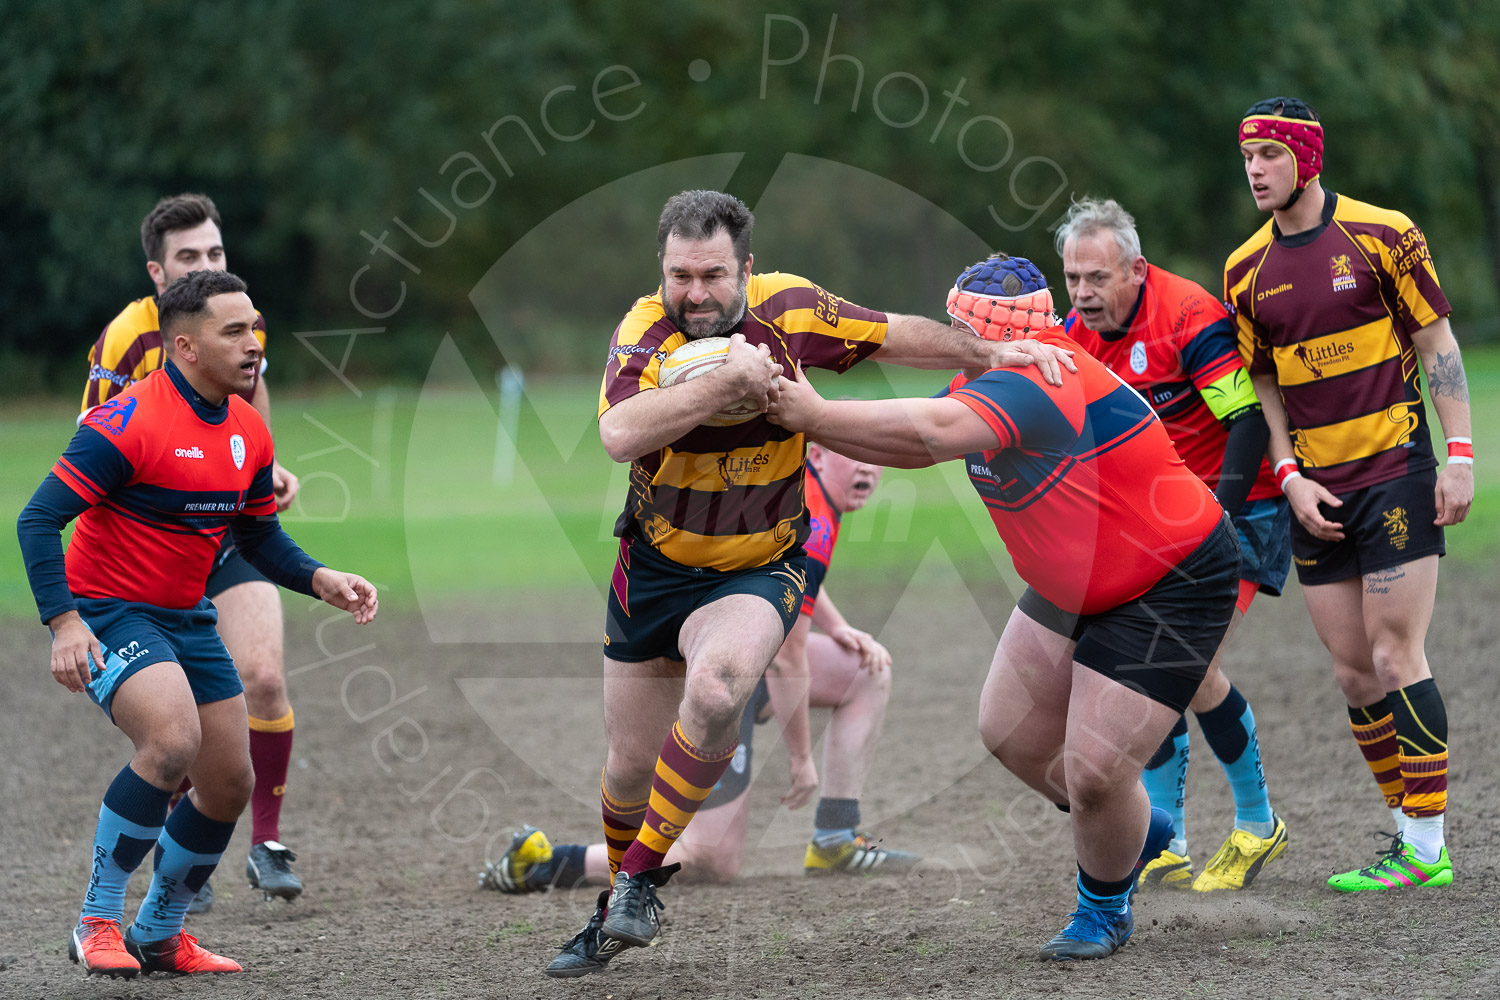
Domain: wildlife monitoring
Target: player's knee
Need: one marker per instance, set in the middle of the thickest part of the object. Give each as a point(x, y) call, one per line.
point(711, 698)
point(1397, 661)
point(1360, 683)
point(170, 753)
point(263, 680)
point(1089, 789)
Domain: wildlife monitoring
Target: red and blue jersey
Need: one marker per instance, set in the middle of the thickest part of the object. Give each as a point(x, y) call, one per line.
point(1092, 501)
point(1180, 350)
point(824, 519)
point(163, 474)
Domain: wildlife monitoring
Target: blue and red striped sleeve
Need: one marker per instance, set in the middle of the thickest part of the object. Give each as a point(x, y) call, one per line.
point(1007, 401)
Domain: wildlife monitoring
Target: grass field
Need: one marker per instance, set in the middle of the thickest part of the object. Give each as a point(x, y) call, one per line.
point(406, 485)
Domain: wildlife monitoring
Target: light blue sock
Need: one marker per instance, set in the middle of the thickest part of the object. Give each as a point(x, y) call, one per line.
point(1165, 778)
point(187, 853)
point(130, 820)
point(1230, 732)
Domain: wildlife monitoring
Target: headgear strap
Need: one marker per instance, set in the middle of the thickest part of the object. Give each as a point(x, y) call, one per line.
point(1001, 298)
point(1301, 137)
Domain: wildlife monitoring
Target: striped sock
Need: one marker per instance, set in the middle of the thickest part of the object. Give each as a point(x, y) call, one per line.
point(1165, 778)
point(1421, 721)
point(1110, 897)
point(130, 820)
point(1229, 730)
point(622, 821)
point(685, 776)
point(270, 757)
point(187, 853)
point(1375, 731)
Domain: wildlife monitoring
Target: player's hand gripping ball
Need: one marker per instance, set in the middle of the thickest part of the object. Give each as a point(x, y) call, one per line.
point(699, 357)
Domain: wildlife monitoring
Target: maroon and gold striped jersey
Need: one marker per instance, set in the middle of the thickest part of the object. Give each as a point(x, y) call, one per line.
point(1331, 313)
point(130, 348)
point(731, 498)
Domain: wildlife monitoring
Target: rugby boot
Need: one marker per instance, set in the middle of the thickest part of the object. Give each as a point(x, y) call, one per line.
point(588, 950)
point(204, 901)
point(1158, 835)
point(524, 867)
point(1172, 871)
point(96, 944)
point(179, 955)
point(269, 869)
point(855, 857)
point(1241, 859)
point(1398, 868)
point(1090, 933)
point(632, 906)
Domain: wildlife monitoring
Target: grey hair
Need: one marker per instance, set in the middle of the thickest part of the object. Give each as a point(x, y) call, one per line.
point(1090, 215)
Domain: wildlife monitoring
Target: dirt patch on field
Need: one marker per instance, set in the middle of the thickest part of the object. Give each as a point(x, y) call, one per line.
point(412, 758)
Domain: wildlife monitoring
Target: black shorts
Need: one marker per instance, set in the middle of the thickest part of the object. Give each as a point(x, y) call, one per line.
point(1161, 643)
point(230, 569)
point(1385, 525)
point(737, 778)
point(650, 596)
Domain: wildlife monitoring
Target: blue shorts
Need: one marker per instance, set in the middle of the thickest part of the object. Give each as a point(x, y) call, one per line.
point(135, 636)
point(1265, 530)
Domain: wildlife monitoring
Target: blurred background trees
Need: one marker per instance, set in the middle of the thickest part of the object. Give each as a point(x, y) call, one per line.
point(315, 126)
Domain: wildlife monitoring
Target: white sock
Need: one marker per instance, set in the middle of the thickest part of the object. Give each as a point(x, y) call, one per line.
point(1425, 835)
point(1178, 846)
point(1400, 818)
point(1261, 830)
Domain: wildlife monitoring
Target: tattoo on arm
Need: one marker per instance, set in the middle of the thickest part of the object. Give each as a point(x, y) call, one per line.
point(1380, 581)
point(1446, 377)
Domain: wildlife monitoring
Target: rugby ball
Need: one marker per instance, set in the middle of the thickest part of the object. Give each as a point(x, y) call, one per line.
point(699, 357)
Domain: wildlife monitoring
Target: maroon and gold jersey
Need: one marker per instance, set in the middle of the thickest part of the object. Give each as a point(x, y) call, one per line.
point(1178, 350)
point(1093, 503)
point(1331, 313)
point(730, 498)
point(130, 348)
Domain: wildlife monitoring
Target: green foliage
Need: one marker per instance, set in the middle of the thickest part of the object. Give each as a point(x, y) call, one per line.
point(312, 124)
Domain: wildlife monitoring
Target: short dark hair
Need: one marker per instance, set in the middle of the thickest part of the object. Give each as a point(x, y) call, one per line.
point(698, 215)
point(188, 296)
point(171, 214)
point(1283, 107)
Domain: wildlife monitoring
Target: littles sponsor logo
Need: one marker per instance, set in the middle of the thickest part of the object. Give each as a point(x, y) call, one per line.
point(1343, 273)
point(193, 452)
point(1331, 354)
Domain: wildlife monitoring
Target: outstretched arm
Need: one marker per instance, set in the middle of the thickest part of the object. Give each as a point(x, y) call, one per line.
point(918, 342)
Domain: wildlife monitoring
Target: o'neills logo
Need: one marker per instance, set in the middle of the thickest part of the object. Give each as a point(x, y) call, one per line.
point(194, 452)
point(1283, 287)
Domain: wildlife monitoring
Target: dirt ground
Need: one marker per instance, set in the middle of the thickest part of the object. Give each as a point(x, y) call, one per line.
point(412, 759)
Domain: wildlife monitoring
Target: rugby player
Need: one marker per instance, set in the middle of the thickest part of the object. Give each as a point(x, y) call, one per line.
point(841, 668)
point(179, 235)
point(1175, 344)
point(1339, 307)
point(711, 571)
point(156, 476)
point(1131, 564)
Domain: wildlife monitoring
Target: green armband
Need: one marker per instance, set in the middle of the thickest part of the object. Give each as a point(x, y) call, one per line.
point(1231, 396)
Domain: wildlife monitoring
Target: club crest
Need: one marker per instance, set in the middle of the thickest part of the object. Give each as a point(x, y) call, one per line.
point(237, 450)
point(1138, 358)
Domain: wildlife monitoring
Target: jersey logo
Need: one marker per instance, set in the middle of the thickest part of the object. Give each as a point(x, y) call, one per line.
point(237, 450)
point(827, 309)
point(1138, 358)
point(193, 452)
point(1342, 271)
point(113, 415)
point(1305, 356)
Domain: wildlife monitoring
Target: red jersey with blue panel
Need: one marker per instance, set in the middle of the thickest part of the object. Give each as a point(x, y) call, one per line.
point(823, 536)
point(1092, 501)
point(1180, 349)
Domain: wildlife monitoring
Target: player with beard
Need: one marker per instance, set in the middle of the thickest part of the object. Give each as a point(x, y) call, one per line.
point(711, 570)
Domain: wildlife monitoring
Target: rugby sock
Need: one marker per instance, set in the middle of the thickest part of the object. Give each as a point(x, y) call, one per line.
point(1096, 894)
point(270, 756)
point(836, 822)
point(685, 775)
point(1422, 731)
point(130, 820)
point(186, 854)
point(622, 821)
point(1375, 731)
point(1229, 730)
point(1165, 778)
